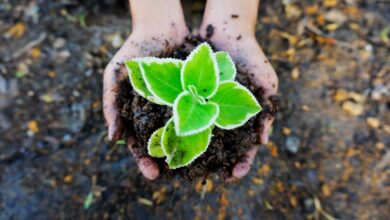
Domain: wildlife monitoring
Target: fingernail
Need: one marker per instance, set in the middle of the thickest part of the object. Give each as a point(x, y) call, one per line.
point(241, 169)
point(148, 168)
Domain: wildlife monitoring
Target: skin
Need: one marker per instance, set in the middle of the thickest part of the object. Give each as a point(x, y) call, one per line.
point(158, 24)
point(234, 31)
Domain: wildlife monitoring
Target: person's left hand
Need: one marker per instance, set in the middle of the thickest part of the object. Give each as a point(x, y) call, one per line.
point(249, 57)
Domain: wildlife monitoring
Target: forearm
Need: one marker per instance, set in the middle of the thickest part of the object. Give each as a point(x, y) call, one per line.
point(234, 15)
point(151, 15)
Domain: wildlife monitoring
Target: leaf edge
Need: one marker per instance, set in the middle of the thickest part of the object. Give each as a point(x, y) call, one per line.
point(248, 115)
point(231, 60)
point(216, 68)
point(176, 118)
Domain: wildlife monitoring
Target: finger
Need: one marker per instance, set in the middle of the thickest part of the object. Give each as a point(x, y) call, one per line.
point(242, 168)
point(114, 73)
point(148, 167)
point(265, 127)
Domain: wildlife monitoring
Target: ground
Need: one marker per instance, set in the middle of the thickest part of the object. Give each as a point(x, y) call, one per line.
point(329, 154)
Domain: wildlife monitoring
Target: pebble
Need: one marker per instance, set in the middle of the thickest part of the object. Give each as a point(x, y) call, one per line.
point(292, 144)
point(373, 122)
point(309, 204)
point(116, 41)
point(335, 16)
point(59, 43)
point(62, 56)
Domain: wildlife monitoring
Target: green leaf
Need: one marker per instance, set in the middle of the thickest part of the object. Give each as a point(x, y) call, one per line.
point(181, 151)
point(227, 69)
point(137, 81)
point(120, 142)
point(236, 105)
point(200, 69)
point(192, 114)
point(88, 200)
point(162, 78)
point(154, 144)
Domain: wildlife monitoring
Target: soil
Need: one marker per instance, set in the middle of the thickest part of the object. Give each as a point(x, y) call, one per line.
point(227, 147)
point(328, 155)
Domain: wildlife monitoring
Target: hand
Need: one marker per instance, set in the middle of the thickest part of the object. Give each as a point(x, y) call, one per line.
point(236, 35)
point(150, 35)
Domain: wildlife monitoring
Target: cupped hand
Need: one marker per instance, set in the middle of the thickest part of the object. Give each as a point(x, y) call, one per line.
point(250, 58)
point(139, 44)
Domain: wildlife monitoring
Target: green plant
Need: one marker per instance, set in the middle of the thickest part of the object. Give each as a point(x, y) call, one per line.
point(202, 92)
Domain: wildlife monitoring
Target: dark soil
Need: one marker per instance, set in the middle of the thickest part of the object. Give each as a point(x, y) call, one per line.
point(227, 147)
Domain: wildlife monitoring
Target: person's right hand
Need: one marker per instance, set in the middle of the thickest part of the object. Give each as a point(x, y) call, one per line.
point(145, 40)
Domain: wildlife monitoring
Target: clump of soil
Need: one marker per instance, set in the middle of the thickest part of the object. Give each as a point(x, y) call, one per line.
point(227, 147)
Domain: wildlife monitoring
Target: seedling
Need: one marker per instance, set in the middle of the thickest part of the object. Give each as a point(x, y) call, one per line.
point(203, 94)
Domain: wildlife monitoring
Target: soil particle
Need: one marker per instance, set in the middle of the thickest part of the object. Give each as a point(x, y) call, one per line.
point(234, 16)
point(209, 31)
point(239, 37)
point(142, 118)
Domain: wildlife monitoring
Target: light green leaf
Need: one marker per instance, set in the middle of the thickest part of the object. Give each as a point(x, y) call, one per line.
point(137, 81)
point(200, 69)
point(236, 105)
point(192, 114)
point(181, 151)
point(154, 144)
point(88, 200)
point(162, 77)
point(227, 69)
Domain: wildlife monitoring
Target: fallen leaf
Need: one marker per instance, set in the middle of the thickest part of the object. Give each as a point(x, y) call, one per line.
point(379, 145)
point(386, 128)
point(36, 52)
point(160, 195)
point(265, 169)
point(329, 3)
point(332, 27)
point(312, 9)
point(51, 74)
point(144, 201)
point(286, 131)
point(33, 126)
point(305, 108)
point(17, 30)
point(88, 200)
point(68, 179)
point(257, 181)
point(223, 200)
point(293, 201)
point(295, 73)
point(206, 185)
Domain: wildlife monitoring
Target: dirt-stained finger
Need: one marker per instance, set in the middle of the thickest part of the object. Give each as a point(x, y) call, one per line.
point(113, 74)
point(148, 167)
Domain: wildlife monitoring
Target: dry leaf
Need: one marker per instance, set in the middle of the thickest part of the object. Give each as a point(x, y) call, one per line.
point(33, 126)
point(329, 3)
point(17, 30)
point(295, 73)
point(36, 52)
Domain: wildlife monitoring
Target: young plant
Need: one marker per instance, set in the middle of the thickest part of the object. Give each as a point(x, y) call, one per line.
point(203, 94)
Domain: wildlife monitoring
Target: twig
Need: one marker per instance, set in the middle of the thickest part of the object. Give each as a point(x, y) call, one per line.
point(27, 47)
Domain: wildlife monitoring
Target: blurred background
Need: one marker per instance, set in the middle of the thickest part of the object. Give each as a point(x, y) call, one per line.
point(329, 156)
